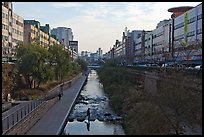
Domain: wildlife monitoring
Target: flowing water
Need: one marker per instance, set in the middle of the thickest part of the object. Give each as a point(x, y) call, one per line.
point(102, 120)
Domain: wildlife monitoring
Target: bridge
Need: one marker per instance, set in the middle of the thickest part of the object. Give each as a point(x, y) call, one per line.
point(93, 66)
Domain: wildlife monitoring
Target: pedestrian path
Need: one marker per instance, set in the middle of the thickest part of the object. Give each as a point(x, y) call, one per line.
point(53, 121)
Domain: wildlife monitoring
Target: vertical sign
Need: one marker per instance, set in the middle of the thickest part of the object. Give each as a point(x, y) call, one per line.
point(185, 27)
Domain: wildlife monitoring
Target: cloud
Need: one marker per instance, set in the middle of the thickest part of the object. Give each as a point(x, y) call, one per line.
point(66, 4)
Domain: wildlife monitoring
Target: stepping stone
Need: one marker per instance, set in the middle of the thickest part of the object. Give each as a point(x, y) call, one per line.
point(92, 119)
point(80, 119)
point(100, 119)
point(71, 118)
point(118, 118)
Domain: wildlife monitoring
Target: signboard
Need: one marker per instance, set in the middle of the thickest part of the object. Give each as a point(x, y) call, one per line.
point(185, 27)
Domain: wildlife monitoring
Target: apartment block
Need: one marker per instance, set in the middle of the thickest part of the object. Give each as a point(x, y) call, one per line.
point(34, 33)
point(12, 31)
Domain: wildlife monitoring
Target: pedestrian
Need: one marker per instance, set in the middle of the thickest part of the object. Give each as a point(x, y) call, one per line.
point(88, 125)
point(61, 88)
point(88, 113)
point(59, 95)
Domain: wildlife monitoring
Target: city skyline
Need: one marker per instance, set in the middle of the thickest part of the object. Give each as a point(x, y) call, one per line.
point(98, 24)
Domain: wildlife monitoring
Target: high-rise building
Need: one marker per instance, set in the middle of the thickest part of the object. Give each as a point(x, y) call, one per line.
point(63, 34)
point(100, 53)
point(12, 31)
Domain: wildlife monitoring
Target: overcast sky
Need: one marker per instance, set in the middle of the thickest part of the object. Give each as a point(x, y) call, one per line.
point(98, 24)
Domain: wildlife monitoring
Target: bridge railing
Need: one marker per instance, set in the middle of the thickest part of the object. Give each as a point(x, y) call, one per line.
point(15, 117)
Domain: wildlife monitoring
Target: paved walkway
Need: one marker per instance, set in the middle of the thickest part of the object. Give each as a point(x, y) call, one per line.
point(52, 122)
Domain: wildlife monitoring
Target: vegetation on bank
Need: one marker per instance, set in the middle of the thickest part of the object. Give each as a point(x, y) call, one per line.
point(37, 70)
point(144, 113)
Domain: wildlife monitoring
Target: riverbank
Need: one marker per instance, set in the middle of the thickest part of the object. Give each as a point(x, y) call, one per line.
point(167, 111)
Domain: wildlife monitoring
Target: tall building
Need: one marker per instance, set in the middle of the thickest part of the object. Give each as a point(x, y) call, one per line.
point(100, 53)
point(161, 41)
point(187, 31)
point(12, 31)
point(63, 34)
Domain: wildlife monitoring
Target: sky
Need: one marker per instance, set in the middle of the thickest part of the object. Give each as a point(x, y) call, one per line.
point(98, 24)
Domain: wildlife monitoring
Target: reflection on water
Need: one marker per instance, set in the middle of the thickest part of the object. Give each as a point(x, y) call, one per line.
point(93, 128)
point(103, 121)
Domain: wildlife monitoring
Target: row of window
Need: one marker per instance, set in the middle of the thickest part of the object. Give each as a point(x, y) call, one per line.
point(17, 22)
point(15, 40)
point(158, 43)
point(5, 38)
point(18, 32)
point(189, 21)
point(190, 34)
point(157, 35)
point(4, 26)
point(4, 15)
point(44, 37)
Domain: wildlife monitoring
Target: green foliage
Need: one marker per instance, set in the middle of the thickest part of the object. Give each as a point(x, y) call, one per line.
point(38, 64)
point(161, 113)
point(82, 64)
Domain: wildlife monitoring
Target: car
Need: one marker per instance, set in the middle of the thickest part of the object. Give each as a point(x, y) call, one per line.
point(198, 67)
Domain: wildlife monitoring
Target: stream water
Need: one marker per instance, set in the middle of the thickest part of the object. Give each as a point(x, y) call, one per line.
point(102, 120)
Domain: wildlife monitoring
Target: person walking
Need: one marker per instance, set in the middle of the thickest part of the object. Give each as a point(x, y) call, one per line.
point(59, 95)
point(88, 113)
point(61, 88)
point(88, 125)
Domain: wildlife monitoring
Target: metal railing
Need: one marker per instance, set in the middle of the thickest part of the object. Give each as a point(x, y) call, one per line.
point(14, 118)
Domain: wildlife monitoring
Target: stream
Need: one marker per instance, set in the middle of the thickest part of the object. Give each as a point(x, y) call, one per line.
point(102, 120)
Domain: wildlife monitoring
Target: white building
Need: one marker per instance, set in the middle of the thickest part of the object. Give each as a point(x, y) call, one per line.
point(193, 34)
point(161, 40)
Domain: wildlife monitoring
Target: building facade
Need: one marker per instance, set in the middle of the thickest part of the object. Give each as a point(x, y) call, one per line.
point(12, 31)
point(161, 41)
point(34, 33)
point(176, 39)
point(63, 34)
point(187, 32)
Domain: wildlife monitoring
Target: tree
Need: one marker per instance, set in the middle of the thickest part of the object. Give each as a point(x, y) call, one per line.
point(32, 64)
point(82, 64)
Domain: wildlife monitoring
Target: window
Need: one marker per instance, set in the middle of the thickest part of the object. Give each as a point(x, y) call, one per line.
point(191, 20)
point(3, 16)
point(199, 17)
point(190, 34)
point(179, 25)
point(199, 31)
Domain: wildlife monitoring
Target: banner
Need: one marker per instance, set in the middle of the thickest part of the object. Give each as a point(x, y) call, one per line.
point(185, 27)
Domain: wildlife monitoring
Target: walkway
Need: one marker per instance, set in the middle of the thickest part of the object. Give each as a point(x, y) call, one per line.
point(53, 121)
